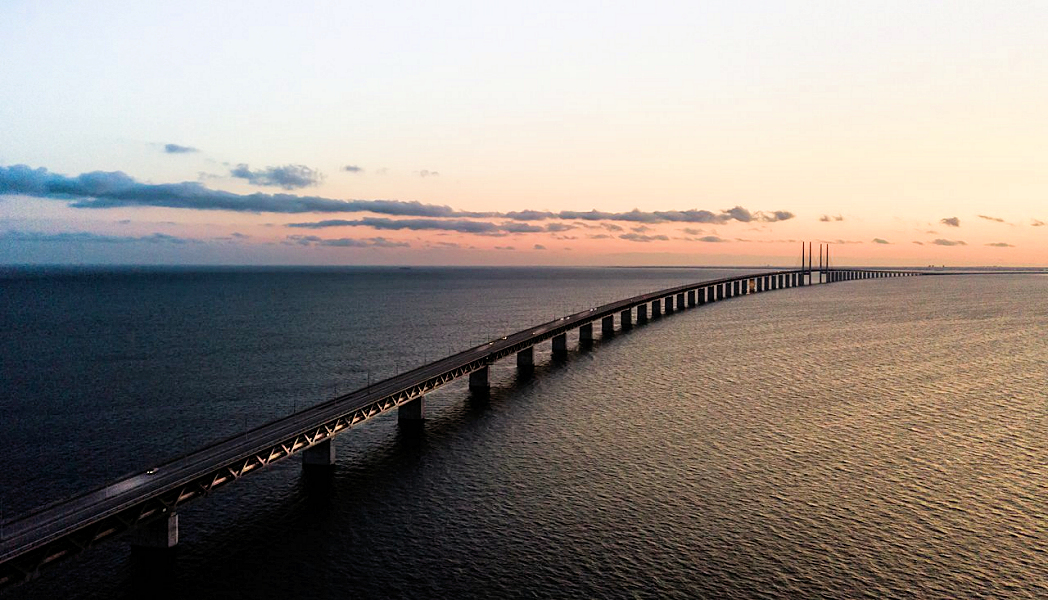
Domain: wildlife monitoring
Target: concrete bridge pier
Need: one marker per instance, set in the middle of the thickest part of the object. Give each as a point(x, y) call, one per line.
point(607, 326)
point(626, 319)
point(560, 346)
point(160, 534)
point(691, 298)
point(656, 308)
point(478, 380)
point(586, 333)
point(722, 291)
point(701, 295)
point(526, 359)
point(642, 313)
point(413, 411)
point(323, 454)
point(680, 301)
point(667, 304)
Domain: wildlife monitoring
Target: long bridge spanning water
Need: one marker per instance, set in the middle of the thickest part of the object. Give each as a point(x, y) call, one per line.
point(146, 504)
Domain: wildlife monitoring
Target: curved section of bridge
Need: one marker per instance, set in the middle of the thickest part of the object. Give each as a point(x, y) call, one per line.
point(148, 502)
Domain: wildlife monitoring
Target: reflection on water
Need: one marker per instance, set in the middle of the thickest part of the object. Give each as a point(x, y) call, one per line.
point(880, 438)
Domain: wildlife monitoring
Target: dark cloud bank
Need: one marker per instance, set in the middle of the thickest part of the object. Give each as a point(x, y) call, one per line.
point(85, 237)
point(100, 189)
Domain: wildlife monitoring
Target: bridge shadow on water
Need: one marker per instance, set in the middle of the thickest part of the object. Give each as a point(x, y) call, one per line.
point(308, 506)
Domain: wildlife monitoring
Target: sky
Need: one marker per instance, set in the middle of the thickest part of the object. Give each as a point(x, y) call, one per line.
point(538, 133)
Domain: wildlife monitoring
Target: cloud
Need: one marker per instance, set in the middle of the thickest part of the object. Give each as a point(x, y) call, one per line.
point(880, 241)
point(942, 242)
point(637, 216)
point(461, 226)
point(1001, 245)
point(919, 243)
point(100, 189)
point(828, 218)
point(599, 236)
point(505, 248)
point(519, 228)
point(176, 149)
point(539, 247)
point(557, 227)
point(374, 242)
point(115, 189)
point(352, 169)
point(289, 177)
point(637, 237)
point(640, 229)
point(86, 237)
point(996, 219)
point(951, 222)
point(712, 239)
point(1037, 223)
point(692, 231)
point(529, 215)
point(425, 173)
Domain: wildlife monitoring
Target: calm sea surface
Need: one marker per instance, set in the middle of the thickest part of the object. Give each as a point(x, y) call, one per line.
point(883, 438)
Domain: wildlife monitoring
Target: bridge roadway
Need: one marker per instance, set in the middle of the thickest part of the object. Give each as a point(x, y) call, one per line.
point(150, 499)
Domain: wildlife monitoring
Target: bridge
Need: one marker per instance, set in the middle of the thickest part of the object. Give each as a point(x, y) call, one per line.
point(145, 505)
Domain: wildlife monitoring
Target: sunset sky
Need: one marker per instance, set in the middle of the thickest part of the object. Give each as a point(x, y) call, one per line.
point(538, 133)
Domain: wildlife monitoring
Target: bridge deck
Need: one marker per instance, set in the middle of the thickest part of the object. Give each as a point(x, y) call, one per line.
point(68, 527)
